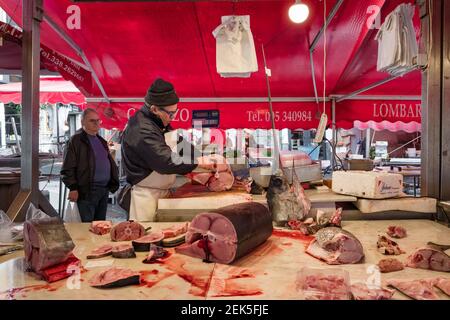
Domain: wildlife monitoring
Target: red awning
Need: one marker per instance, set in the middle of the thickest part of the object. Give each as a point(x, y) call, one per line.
point(52, 90)
point(392, 115)
point(131, 44)
point(251, 115)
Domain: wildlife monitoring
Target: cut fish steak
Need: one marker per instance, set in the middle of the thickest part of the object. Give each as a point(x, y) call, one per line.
point(396, 232)
point(429, 258)
point(361, 291)
point(228, 233)
point(143, 244)
point(126, 231)
point(100, 227)
point(388, 247)
point(415, 289)
point(46, 243)
point(123, 251)
point(390, 265)
point(336, 246)
point(103, 251)
point(115, 277)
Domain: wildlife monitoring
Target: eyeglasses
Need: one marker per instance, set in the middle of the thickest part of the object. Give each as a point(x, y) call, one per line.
point(95, 121)
point(171, 114)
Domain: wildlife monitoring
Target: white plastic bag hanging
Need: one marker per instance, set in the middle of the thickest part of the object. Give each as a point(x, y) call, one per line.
point(34, 213)
point(235, 47)
point(5, 228)
point(72, 215)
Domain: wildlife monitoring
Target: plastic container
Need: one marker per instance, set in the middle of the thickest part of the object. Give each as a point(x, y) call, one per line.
point(323, 284)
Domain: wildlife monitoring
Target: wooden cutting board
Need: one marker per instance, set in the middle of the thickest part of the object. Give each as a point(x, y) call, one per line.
point(410, 204)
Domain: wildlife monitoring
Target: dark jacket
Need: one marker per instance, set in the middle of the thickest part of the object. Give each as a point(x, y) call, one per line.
point(78, 169)
point(144, 149)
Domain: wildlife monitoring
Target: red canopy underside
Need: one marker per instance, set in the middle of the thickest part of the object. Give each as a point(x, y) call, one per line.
point(52, 90)
point(131, 44)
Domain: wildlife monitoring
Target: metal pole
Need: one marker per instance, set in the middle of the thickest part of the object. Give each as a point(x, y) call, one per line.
point(57, 128)
point(212, 100)
point(368, 135)
point(80, 52)
point(374, 85)
point(32, 16)
point(327, 22)
point(272, 118)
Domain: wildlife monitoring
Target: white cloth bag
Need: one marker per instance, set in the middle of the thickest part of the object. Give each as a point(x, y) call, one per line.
point(72, 215)
point(397, 44)
point(235, 47)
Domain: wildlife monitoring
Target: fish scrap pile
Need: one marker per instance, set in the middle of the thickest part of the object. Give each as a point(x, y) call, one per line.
point(310, 227)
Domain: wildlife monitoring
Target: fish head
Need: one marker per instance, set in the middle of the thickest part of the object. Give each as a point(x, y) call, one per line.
point(279, 183)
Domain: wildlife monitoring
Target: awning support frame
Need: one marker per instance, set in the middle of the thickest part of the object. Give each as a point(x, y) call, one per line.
point(78, 51)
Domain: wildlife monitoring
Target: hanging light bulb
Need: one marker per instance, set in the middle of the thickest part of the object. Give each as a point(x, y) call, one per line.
point(298, 12)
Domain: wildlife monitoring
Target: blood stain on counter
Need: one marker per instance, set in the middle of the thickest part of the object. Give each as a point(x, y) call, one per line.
point(232, 283)
point(150, 278)
point(198, 279)
point(266, 249)
point(296, 235)
point(12, 293)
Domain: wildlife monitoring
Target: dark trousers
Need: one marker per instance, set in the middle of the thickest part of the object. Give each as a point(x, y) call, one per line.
point(92, 206)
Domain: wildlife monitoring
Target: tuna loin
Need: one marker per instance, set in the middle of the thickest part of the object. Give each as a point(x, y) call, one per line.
point(103, 251)
point(126, 231)
point(361, 291)
point(336, 246)
point(416, 289)
point(46, 243)
point(429, 258)
point(227, 233)
point(143, 244)
point(115, 277)
point(123, 251)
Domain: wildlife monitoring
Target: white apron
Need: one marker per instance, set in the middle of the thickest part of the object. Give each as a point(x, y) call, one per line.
point(145, 195)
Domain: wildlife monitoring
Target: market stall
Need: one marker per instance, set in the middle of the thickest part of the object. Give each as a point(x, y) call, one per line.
point(314, 77)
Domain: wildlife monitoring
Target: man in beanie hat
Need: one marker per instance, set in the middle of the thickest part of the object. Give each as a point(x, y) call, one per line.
point(149, 151)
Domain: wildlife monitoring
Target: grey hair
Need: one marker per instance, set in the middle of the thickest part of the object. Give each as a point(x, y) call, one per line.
point(86, 112)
